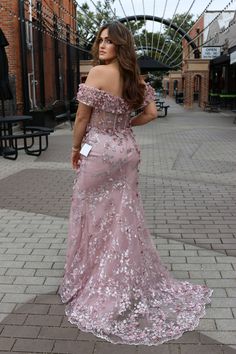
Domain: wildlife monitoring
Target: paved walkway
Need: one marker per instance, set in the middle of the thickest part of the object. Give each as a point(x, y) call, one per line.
point(188, 184)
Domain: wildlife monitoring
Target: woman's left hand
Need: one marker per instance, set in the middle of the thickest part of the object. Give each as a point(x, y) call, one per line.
point(75, 159)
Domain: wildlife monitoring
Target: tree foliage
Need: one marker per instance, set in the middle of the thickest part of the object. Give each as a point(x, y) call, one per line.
point(165, 45)
point(89, 20)
point(184, 21)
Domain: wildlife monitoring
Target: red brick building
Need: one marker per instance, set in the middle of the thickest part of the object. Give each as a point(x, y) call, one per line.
point(211, 74)
point(42, 51)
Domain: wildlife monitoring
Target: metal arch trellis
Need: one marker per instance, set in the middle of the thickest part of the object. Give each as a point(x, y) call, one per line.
point(159, 37)
point(124, 14)
point(179, 45)
point(190, 29)
point(153, 14)
point(167, 23)
point(169, 27)
point(135, 18)
point(203, 12)
point(130, 26)
point(146, 39)
point(114, 17)
point(184, 20)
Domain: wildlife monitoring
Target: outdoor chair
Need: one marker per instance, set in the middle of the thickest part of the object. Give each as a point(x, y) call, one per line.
point(179, 97)
point(60, 111)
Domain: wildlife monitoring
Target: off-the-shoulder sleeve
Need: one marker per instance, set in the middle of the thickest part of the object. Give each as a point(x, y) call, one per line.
point(87, 95)
point(149, 95)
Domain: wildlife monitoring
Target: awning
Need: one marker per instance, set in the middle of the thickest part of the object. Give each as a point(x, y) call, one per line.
point(225, 58)
point(147, 63)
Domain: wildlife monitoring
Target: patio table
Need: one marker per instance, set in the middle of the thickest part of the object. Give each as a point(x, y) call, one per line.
point(6, 129)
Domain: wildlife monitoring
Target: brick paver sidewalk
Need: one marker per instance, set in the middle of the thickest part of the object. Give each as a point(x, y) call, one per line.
point(188, 184)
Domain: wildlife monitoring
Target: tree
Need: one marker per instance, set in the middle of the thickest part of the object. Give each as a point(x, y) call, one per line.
point(90, 20)
point(185, 21)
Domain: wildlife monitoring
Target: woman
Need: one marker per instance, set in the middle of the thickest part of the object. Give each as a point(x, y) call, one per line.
point(115, 285)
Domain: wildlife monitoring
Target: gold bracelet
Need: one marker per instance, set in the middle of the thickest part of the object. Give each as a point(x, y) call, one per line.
point(75, 149)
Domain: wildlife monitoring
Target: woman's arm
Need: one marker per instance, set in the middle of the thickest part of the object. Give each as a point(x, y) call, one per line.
point(84, 112)
point(149, 113)
point(81, 121)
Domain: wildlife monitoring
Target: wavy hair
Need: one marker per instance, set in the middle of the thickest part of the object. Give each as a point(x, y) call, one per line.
point(133, 88)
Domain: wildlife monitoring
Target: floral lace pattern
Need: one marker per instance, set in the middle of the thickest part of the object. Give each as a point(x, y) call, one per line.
point(115, 285)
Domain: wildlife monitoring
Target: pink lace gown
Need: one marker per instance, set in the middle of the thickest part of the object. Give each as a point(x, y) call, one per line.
point(115, 285)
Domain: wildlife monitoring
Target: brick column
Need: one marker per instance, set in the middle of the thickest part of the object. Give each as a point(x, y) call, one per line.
point(11, 27)
point(204, 89)
point(188, 90)
point(192, 68)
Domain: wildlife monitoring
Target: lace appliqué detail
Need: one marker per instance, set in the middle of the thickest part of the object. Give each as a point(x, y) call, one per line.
point(101, 100)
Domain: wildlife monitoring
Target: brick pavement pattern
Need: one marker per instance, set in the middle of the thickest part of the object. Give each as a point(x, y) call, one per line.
point(188, 186)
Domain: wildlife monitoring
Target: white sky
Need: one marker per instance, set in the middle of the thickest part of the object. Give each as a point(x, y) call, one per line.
point(164, 8)
point(184, 5)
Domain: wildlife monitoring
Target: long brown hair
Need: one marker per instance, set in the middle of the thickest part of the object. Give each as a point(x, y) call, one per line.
point(133, 88)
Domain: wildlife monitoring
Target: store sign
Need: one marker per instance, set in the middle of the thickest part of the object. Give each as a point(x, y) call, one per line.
point(210, 52)
point(233, 58)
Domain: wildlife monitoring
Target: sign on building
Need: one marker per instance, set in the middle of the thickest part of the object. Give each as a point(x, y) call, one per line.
point(210, 52)
point(233, 58)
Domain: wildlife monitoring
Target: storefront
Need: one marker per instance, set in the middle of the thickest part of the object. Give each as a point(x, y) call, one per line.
point(222, 84)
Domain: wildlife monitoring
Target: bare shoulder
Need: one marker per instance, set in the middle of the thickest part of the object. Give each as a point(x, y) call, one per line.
point(97, 75)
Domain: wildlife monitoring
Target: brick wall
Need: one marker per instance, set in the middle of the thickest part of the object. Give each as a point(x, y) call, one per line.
point(193, 68)
point(195, 31)
point(11, 27)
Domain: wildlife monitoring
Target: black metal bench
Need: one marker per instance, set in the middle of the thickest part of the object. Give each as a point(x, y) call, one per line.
point(211, 107)
point(10, 144)
point(179, 97)
point(234, 111)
